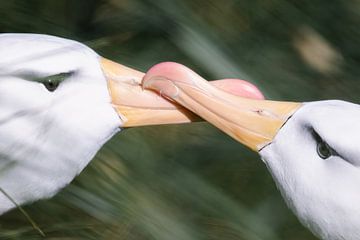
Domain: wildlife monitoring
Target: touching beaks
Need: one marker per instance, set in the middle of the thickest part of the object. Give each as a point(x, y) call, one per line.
point(234, 106)
point(139, 107)
point(252, 122)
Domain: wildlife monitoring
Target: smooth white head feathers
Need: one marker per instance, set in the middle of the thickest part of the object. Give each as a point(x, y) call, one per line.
point(47, 137)
point(315, 161)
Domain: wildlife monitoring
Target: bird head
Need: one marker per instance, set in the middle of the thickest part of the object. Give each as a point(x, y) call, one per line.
point(311, 149)
point(59, 103)
point(52, 93)
point(315, 162)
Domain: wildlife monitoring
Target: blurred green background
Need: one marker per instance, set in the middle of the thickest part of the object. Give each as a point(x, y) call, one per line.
point(190, 181)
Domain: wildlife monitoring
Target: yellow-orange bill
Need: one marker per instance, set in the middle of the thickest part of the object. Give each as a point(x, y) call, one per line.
point(139, 107)
point(252, 122)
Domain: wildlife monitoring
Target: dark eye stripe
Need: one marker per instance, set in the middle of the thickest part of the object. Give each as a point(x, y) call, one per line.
point(51, 82)
point(316, 135)
point(323, 148)
point(56, 78)
point(42, 77)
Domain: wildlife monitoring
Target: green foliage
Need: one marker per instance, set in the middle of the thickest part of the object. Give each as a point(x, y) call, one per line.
point(190, 181)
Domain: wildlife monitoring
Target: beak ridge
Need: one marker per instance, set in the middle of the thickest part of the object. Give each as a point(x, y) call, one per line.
point(251, 122)
point(138, 107)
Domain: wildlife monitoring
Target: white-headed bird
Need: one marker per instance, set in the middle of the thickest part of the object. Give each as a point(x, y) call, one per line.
point(59, 103)
point(311, 149)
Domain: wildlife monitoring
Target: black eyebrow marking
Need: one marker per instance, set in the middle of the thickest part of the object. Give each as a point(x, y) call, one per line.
point(315, 135)
point(318, 139)
point(59, 77)
point(41, 77)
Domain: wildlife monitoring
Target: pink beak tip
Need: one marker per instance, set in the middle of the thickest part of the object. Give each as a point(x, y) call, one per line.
point(173, 70)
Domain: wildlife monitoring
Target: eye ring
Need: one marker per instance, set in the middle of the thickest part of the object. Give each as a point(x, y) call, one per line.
point(51, 85)
point(323, 150)
point(52, 82)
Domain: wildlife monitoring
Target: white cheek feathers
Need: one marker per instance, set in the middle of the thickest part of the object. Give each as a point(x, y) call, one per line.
point(47, 138)
point(323, 192)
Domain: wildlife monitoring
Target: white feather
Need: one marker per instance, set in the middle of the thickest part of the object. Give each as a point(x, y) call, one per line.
point(47, 138)
point(323, 193)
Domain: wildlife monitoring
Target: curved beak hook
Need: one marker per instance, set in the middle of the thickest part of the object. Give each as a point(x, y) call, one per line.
point(251, 122)
point(138, 107)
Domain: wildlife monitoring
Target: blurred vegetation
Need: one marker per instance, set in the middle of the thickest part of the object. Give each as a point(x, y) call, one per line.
point(190, 181)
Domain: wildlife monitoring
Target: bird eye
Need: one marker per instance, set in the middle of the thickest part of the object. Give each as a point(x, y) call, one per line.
point(51, 83)
point(323, 150)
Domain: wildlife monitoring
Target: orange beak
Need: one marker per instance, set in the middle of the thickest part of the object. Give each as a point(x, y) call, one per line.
point(139, 107)
point(135, 106)
point(252, 122)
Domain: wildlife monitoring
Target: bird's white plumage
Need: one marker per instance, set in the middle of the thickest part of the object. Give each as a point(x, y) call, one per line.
point(47, 138)
point(323, 193)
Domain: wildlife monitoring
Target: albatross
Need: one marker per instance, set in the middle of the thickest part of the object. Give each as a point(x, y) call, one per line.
point(311, 149)
point(59, 103)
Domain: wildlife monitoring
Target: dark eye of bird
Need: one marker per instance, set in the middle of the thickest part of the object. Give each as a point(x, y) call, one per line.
point(323, 150)
point(51, 83)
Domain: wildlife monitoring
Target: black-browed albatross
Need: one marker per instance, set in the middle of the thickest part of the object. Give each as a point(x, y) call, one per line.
point(311, 149)
point(59, 103)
